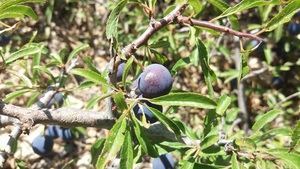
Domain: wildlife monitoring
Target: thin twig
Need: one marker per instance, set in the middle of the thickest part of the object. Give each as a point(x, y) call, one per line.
point(288, 98)
point(207, 24)
point(153, 27)
point(241, 93)
point(254, 73)
point(9, 28)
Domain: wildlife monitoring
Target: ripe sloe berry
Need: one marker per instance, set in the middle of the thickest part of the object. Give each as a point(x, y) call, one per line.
point(294, 28)
point(140, 110)
point(277, 82)
point(155, 81)
point(42, 145)
point(120, 71)
point(4, 40)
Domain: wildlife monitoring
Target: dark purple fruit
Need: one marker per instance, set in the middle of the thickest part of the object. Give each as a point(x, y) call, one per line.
point(294, 28)
point(120, 71)
point(155, 81)
point(42, 145)
point(277, 82)
point(141, 110)
point(4, 40)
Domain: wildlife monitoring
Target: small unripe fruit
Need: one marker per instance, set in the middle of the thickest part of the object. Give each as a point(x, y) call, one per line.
point(155, 81)
point(42, 145)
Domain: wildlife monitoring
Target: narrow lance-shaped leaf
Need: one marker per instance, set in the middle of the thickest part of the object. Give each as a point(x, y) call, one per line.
point(15, 94)
point(20, 10)
point(26, 51)
point(223, 6)
point(209, 141)
point(143, 139)
point(127, 152)
point(77, 50)
point(113, 143)
point(234, 162)
point(7, 3)
point(223, 104)
point(295, 135)
point(112, 22)
point(185, 99)
point(96, 150)
point(165, 120)
point(126, 70)
point(264, 119)
point(209, 75)
point(119, 99)
point(283, 16)
point(90, 75)
point(292, 159)
point(245, 4)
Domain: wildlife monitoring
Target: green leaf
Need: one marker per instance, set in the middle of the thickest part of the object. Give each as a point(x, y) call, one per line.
point(90, 75)
point(220, 4)
point(209, 75)
point(185, 99)
point(223, 6)
point(283, 16)
point(77, 49)
point(119, 99)
point(187, 165)
point(112, 22)
point(181, 63)
point(245, 143)
point(292, 159)
point(113, 143)
point(165, 120)
point(295, 135)
point(196, 5)
point(15, 94)
point(264, 119)
point(245, 69)
point(7, 3)
point(24, 78)
point(244, 5)
point(126, 70)
point(223, 104)
point(26, 51)
point(96, 150)
point(209, 141)
point(234, 162)
point(18, 10)
point(127, 152)
point(160, 44)
point(142, 138)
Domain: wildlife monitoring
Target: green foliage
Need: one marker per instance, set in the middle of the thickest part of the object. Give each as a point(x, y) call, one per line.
point(203, 125)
